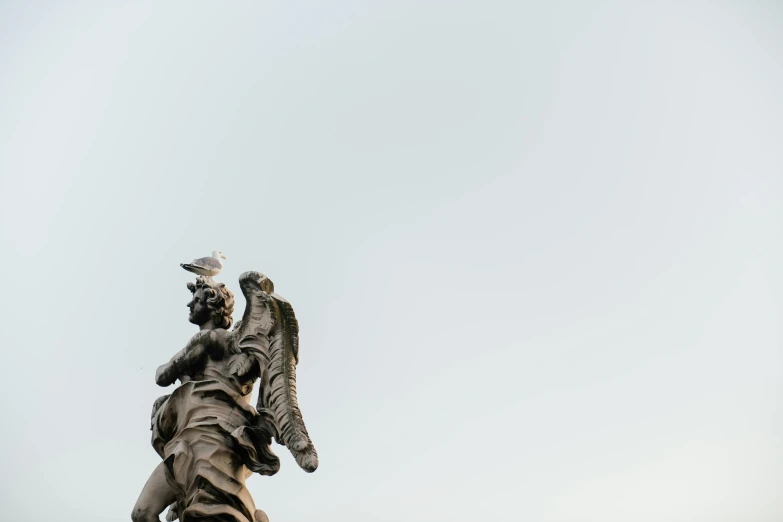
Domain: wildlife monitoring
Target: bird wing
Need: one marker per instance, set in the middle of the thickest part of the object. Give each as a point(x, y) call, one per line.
point(269, 335)
point(209, 263)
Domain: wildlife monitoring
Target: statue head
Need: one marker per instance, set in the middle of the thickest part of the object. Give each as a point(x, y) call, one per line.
point(211, 300)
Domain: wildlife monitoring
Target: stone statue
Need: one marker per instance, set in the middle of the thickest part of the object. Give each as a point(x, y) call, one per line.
point(209, 436)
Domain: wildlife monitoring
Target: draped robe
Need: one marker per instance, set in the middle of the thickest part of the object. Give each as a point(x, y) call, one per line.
point(210, 440)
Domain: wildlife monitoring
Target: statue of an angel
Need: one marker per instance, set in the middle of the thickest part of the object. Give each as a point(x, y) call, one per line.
point(209, 436)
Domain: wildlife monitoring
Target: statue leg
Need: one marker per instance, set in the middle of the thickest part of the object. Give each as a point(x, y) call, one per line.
point(155, 497)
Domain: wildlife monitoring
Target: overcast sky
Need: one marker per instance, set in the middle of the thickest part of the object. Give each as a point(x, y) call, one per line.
point(534, 249)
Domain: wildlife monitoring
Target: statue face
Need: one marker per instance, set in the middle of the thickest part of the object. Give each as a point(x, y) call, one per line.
point(199, 311)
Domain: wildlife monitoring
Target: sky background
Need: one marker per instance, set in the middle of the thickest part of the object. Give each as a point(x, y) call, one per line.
point(534, 249)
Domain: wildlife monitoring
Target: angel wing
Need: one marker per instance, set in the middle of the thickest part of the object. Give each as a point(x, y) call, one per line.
point(266, 341)
point(250, 346)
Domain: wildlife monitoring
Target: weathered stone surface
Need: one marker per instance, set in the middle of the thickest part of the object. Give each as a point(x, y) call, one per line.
point(209, 437)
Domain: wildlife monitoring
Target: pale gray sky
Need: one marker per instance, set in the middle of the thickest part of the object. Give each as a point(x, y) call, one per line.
point(534, 249)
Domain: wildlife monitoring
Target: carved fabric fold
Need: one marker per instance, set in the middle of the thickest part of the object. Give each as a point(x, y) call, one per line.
point(208, 437)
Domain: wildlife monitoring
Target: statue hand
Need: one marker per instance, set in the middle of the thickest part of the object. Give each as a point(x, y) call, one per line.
point(165, 375)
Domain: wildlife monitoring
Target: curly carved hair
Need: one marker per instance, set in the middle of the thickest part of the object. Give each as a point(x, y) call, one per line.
point(219, 299)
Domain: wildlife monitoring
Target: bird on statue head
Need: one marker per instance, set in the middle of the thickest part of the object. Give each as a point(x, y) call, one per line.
point(206, 266)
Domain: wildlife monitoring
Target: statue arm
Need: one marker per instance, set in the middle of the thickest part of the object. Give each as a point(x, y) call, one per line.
point(204, 343)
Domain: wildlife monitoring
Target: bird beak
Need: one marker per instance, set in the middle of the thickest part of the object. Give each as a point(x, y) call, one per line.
point(223, 256)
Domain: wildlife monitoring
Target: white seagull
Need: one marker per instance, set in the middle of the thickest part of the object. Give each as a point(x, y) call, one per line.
point(206, 266)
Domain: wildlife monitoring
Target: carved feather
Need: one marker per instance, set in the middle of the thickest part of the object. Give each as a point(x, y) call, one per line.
point(240, 364)
point(280, 394)
point(251, 334)
point(269, 334)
